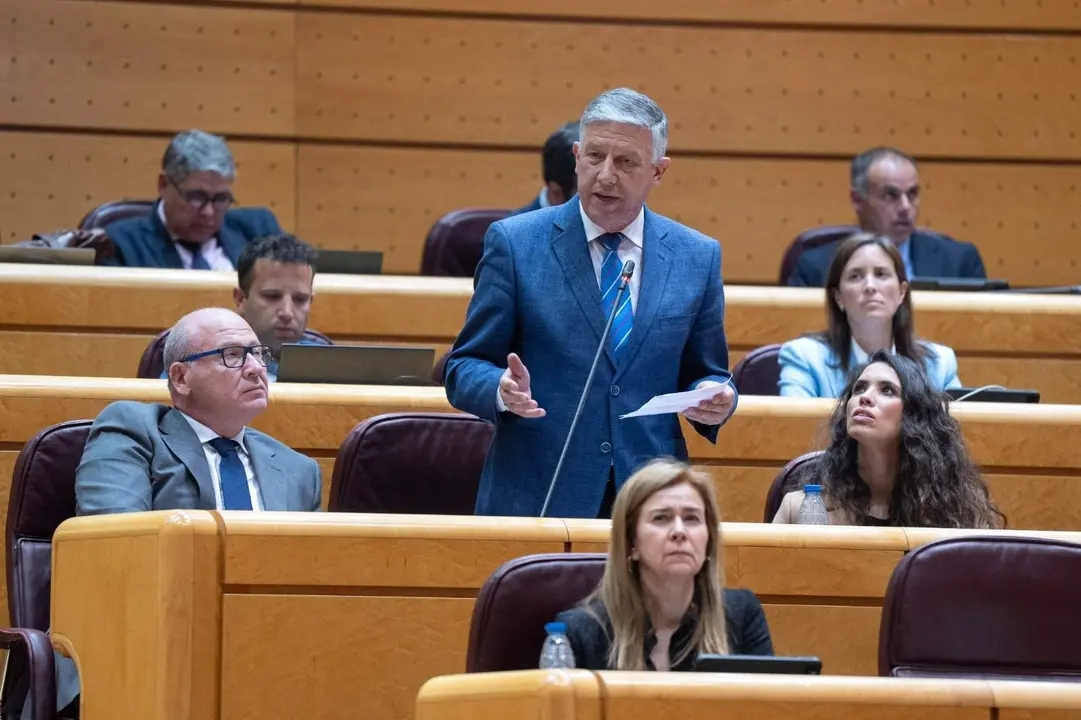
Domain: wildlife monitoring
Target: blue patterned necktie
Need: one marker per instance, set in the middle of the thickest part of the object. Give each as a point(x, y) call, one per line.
point(234, 481)
point(198, 262)
point(610, 271)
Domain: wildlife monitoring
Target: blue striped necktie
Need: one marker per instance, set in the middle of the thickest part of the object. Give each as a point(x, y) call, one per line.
point(198, 260)
point(234, 481)
point(610, 271)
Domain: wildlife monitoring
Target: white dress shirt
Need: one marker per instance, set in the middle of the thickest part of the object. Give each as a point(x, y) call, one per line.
point(213, 459)
point(211, 250)
point(629, 249)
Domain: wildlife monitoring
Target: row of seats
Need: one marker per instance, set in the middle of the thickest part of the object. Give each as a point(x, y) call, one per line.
point(929, 627)
point(455, 242)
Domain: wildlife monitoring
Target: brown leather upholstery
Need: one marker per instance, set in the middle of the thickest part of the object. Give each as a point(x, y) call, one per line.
point(507, 630)
point(42, 497)
point(1001, 607)
point(152, 363)
point(787, 480)
point(809, 240)
point(456, 242)
point(427, 463)
point(759, 372)
point(110, 212)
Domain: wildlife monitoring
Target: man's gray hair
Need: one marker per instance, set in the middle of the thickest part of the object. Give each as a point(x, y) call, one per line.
point(178, 345)
point(861, 165)
point(196, 151)
point(628, 107)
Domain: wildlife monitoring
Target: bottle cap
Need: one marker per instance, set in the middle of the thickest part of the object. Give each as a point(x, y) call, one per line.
point(555, 627)
point(812, 489)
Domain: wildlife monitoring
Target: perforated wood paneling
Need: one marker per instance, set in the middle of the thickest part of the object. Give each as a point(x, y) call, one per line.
point(1053, 14)
point(725, 89)
point(1024, 218)
point(50, 181)
point(387, 199)
point(146, 66)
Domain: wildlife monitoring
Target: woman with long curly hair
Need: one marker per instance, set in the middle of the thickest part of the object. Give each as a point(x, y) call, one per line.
point(662, 599)
point(896, 456)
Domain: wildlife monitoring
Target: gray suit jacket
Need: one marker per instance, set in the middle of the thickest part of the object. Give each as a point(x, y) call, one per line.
point(142, 456)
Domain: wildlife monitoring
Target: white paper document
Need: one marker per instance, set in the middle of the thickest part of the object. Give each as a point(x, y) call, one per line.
point(675, 402)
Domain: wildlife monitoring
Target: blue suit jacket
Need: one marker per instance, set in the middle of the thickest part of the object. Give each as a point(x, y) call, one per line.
point(809, 368)
point(536, 294)
point(932, 256)
point(144, 241)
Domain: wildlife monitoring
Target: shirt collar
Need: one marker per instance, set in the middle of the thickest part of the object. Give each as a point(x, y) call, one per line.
point(633, 232)
point(205, 434)
point(859, 356)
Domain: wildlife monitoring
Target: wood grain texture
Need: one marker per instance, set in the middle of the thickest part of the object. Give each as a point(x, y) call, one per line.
point(553, 695)
point(147, 66)
point(1035, 14)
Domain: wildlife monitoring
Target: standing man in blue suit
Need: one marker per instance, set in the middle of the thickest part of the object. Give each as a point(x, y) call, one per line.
point(539, 309)
point(191, 226)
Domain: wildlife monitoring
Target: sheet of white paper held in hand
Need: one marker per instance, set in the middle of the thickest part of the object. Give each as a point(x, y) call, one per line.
point(676, 402)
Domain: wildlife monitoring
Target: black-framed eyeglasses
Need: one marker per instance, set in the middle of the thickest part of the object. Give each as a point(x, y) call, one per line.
point(197, 199)
point(234, 356)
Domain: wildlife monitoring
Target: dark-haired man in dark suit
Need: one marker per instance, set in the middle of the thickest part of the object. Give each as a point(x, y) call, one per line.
point(191, 226)
point(885, 194)
point(557, 165)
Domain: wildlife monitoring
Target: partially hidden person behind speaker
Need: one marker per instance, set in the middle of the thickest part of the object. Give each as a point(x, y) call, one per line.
point(191, 226)
point(662, 600)
point(869, 308)
point(896, 456)
point(545, 286)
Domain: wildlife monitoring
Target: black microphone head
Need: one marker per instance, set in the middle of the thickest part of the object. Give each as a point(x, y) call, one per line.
point(628, 270)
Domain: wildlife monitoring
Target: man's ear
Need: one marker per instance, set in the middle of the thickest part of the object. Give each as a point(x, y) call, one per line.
point(239, 297)
point(660, 169)
point(178, 378)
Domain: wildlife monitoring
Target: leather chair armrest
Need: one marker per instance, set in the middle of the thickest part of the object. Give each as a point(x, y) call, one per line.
point(32, 652)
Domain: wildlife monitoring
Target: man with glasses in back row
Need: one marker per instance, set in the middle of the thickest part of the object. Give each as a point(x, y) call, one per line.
point(191, 226)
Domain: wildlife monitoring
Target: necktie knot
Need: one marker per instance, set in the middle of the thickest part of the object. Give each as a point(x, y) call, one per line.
point(611, 241)
point(198, 260)
point(224, 446)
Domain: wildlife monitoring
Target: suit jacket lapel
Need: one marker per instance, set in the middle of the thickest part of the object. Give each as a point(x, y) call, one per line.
point(925, 256)
point(656, 264)
point(572, 252)
point(181, 439)
point(170, 258)
point(269, 474)
point(231, 242)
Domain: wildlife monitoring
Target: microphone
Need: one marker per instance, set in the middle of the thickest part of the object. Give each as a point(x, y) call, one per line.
point(624, 278)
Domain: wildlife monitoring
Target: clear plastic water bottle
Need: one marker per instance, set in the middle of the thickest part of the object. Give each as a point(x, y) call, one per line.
point(556, 652)
point(812, 511)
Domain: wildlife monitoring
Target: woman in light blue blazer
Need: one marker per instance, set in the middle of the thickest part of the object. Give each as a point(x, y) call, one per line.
point(869, 309)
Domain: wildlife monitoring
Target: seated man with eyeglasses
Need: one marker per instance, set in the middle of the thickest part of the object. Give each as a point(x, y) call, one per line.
point(198, 453)
point(191, 226)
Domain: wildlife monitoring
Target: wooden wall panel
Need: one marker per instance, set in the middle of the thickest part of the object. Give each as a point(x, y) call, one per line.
point(146, 66)
point(370, 198)
point(724, 89)
point(1051, 14)
point(51, 180)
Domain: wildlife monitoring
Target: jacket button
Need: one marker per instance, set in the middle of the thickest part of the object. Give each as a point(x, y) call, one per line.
point(615, 389)
point(606, 447)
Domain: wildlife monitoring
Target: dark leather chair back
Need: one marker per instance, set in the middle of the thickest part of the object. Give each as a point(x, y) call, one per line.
point(974, 606)
point(456, 242)
point(787, 480)
point(42, 497)
point(759, 372)
point(507, 630)
point(414, 463)
point(152, 363)
point(809, 240)
point(110, 212)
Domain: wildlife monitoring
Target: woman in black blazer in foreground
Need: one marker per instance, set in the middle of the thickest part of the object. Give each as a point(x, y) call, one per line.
point(662, 599)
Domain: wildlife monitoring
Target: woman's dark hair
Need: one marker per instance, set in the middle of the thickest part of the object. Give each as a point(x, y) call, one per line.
point(838, 336)
point(938, 485)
